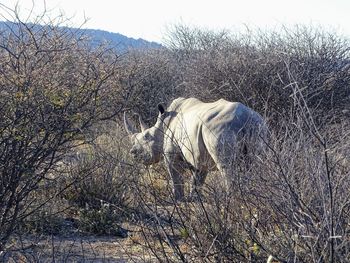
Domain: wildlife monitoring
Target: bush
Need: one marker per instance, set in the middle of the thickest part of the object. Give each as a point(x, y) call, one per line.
point(148, 78)
point(102, 180)
point(102, 221)
point(53, 87)
point(256, 68)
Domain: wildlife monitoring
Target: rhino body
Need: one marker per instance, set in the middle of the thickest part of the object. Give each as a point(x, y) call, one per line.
point(191, 134)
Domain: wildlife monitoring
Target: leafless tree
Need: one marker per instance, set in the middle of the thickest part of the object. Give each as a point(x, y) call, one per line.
point(54, 86)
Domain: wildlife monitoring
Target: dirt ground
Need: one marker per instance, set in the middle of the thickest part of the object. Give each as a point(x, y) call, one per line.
point(76, 248)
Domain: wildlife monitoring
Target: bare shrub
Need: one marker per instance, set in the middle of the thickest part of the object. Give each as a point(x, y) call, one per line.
point(102, 179)
point(255, 67)
point(148, 78)
point(54, 86)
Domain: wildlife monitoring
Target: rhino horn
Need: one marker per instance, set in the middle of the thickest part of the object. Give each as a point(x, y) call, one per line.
point(130, 129)
point(142, 123)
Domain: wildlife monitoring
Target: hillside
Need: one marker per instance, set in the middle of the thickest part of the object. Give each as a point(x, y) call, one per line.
point(121, 42)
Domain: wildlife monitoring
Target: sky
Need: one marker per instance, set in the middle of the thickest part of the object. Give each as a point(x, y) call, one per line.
point(152, 19)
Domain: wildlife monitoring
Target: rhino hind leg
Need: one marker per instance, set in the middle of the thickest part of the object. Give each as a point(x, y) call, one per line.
point(228, 178)
point(226, 165)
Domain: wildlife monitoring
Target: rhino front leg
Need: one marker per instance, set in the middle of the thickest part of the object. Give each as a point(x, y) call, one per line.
point(175, 171)
point(178, 185)
point(198, 179)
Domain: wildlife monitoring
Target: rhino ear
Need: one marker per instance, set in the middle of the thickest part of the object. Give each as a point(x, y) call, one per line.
point(161, 108)
point(130, 129)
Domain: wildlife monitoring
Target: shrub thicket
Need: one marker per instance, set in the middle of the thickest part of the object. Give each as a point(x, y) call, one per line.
point(53, 87)
point(291, 202)
point(258, 68)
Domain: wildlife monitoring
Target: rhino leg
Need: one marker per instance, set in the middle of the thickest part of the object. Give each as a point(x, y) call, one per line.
point(226, 170)
point(178, 185)
point(175, 171)
point(198, 179)
point(226, 166)
point(228, 176)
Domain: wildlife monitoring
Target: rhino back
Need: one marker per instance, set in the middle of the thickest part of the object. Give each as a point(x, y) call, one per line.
point(215, 116)
point(198, 128)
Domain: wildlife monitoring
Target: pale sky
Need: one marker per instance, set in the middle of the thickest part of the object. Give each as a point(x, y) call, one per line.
point(149, 19)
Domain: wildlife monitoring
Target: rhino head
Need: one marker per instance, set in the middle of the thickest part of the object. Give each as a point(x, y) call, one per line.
point(147, 145)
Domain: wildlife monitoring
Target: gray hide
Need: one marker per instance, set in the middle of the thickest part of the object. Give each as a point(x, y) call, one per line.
point(191, 134)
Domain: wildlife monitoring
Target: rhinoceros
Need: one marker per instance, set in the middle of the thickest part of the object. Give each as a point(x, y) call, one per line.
point(191, 134)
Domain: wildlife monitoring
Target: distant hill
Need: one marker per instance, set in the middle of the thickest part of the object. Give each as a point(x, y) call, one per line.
point(121, 42)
